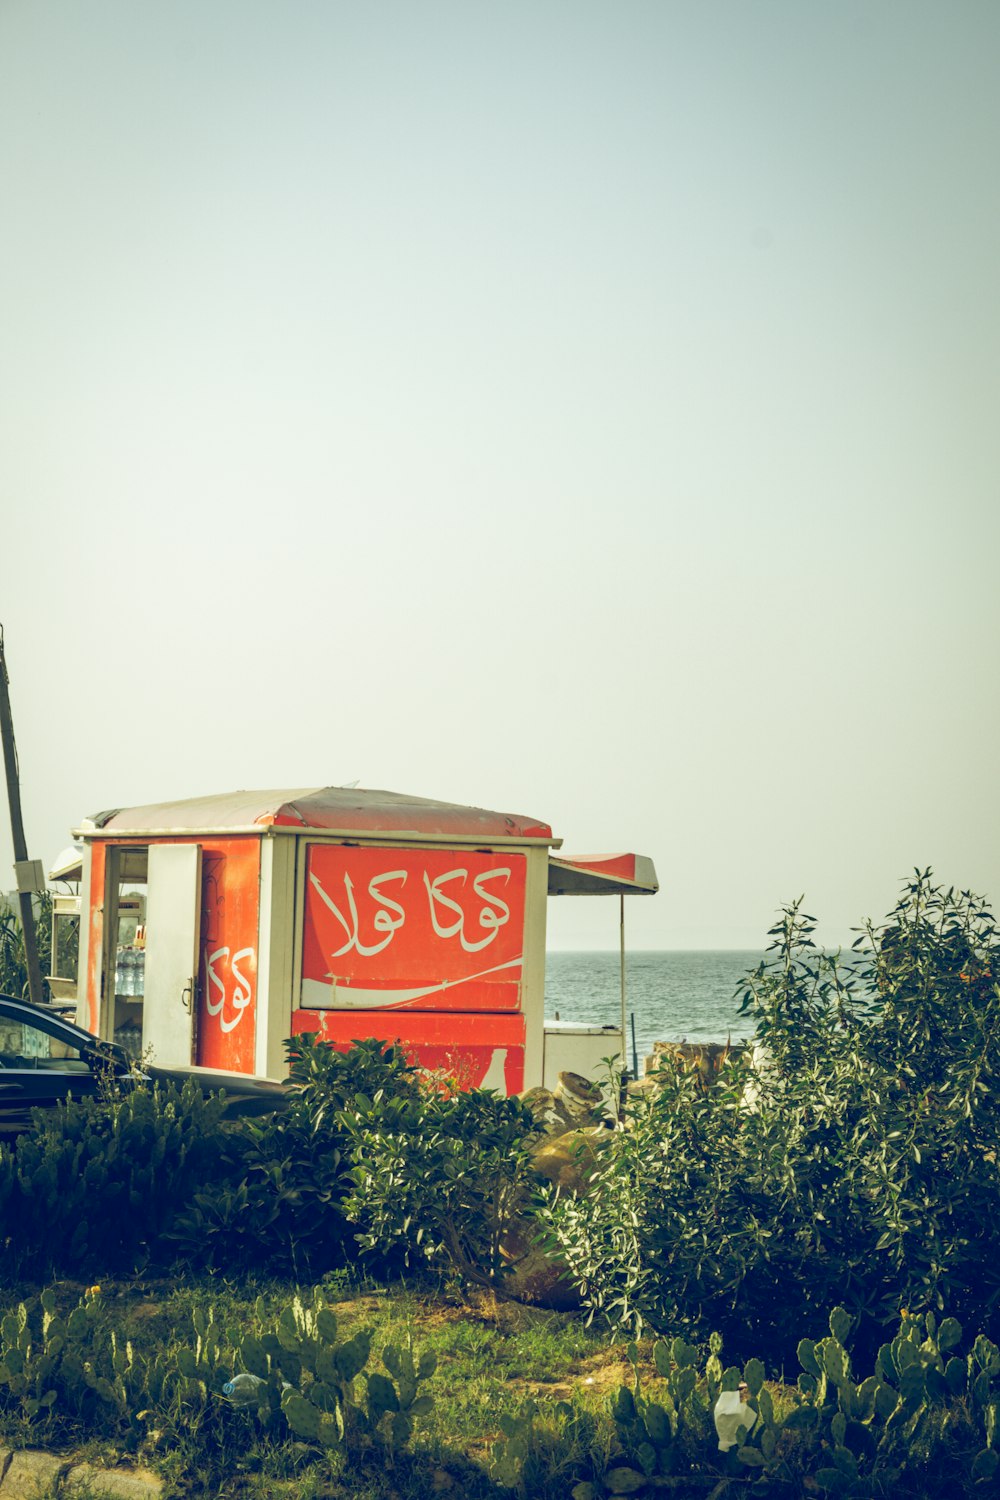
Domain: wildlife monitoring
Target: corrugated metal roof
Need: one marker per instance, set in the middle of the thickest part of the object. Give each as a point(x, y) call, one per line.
point(354, 811)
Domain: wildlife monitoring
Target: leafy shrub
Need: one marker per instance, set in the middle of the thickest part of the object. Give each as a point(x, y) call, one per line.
point(98, 1181)
point(371, 1157)
point(281, 1208)
point(13, 961)
point(440, 1177)
point(852, 1159)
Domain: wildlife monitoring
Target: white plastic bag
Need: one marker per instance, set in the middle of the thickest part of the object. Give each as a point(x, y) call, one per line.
point(731, 1416)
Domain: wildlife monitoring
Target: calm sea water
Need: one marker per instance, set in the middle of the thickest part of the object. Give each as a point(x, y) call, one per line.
point(674, 996)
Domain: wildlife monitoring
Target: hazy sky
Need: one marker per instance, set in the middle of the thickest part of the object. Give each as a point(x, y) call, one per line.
point(575, 408)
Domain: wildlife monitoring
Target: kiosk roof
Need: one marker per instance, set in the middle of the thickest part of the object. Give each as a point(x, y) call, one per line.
point(355, 812)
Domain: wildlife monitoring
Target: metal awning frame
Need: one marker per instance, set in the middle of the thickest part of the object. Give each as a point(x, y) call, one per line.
point(583, 876)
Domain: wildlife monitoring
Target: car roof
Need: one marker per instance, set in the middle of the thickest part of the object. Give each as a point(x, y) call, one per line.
point(29, 1012)
point(247, 1083)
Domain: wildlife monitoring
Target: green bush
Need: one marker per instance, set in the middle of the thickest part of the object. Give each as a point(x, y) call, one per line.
point(851, 1159)
point(440, 1177)
point(370, 1159)
point(13, 962)
point(281, 1207)
point(96, 1182)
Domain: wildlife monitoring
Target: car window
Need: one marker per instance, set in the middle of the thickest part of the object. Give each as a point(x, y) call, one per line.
point(25, 1046)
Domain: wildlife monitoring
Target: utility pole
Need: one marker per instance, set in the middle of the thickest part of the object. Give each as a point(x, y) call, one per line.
point(28, 871)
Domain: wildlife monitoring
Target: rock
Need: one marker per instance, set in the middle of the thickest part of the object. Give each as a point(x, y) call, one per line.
point(573, 1103)
point(568, 1160)
point(539, 1276)
point(543, 1281)
point(115, 1484)
point(32, 1476)
point(706, 1058)
point(547, 1111)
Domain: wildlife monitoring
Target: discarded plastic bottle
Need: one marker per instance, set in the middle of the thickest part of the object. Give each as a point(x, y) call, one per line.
point(242, 1389)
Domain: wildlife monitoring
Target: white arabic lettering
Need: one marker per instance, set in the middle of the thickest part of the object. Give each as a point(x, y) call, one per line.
point(493, 915)
point(452, 913)
point(242, 992)
point(382, 921)
point(437, 898)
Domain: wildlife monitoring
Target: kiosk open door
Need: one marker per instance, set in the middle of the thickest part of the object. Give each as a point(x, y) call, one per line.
point(173, 908)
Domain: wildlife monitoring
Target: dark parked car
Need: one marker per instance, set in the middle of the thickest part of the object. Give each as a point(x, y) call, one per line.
point(44, 1059)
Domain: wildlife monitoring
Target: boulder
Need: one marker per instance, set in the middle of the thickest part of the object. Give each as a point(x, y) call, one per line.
point(539, 1276)
point(540, 1279)
point(705, 1058)
point(568, 1160)
point(547, 1111)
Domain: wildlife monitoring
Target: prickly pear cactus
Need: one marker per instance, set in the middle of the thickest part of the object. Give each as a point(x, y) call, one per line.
point(840, 1436)
point(310, 1377)
point(511, 1452)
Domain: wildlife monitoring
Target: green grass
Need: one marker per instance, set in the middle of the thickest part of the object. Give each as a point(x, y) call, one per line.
point(492, 1358)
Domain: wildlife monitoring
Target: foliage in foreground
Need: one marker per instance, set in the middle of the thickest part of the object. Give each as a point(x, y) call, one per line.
point(286, 1391)
point(96, 1181)
point(441, 1177)
point(69, 1378)
point(373, 1159)
point(852, 1160)
point(923, 1423)
point(369, 1160)
point(281, 1209)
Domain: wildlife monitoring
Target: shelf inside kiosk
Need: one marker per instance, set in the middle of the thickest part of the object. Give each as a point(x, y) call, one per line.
point(128, 946)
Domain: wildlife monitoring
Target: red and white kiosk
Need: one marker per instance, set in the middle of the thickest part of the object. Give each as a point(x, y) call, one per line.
point(214, 928)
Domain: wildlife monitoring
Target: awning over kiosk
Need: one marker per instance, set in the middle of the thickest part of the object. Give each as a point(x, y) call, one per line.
point(618, 875)
point(68, 865)
point(602, 875)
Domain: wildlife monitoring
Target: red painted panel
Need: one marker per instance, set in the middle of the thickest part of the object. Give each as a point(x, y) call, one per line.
point(621, 866)
point(478, 1051)
point(415, 929)
point(95, 940)
point(227, 989)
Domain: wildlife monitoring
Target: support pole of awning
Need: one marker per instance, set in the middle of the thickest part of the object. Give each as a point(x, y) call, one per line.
point(621, 953)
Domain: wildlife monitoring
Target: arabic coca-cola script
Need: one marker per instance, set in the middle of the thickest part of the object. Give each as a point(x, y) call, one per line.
point(433, 928)
point(239, 996)
point(486, 911)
